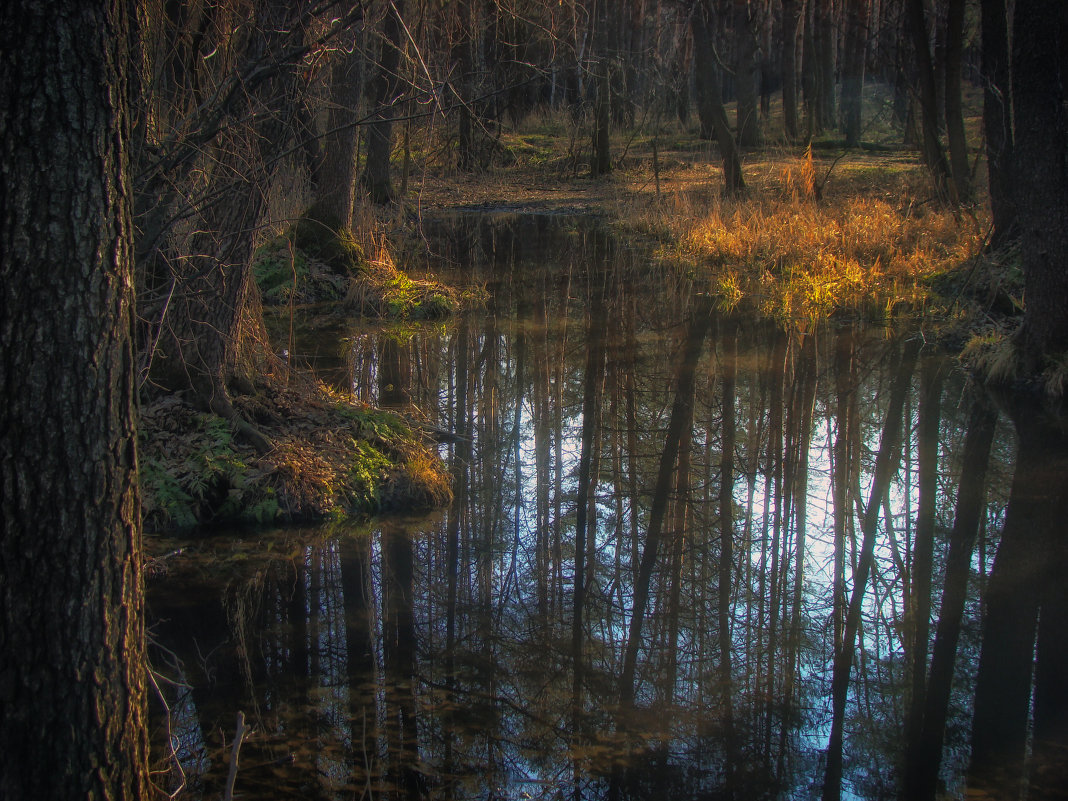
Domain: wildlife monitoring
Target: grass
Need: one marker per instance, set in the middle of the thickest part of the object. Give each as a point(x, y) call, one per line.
point(820, 230)
point(798, 256)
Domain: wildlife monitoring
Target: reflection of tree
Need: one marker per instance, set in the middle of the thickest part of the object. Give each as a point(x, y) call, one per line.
point(1026, 587)
point(925, 753)
point(710, 586)
point(885, 467)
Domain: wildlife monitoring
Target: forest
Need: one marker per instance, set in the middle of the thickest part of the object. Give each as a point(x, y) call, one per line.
point(599, 398)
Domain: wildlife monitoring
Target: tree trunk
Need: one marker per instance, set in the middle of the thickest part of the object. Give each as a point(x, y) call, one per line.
point(376, 179)
point(591, 404)
point(997, 119)
point(72, 664)
point(954, 104)
point(924, 755)
point(746, 76)
point(1003, 685)
point(933, 154)
point(601, 158)
point(710, 99)
point(684, 398)
point(856, 43)
point(1040, 159)
point(335, 176)
point(826, 44)
point(918, 612)
point(791, 21)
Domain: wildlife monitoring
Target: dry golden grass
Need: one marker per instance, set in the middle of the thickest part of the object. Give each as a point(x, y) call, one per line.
point(865, 245)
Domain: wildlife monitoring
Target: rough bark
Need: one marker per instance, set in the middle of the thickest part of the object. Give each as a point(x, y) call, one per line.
point(71, 632)
point(335, 176)
point(1040, 161)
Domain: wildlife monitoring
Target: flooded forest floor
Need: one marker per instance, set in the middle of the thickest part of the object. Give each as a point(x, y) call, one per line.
point(820, 231)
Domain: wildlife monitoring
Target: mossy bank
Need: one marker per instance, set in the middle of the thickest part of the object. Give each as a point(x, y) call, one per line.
point(329, 459)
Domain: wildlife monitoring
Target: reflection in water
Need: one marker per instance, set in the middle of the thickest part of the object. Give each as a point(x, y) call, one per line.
point(688, 556)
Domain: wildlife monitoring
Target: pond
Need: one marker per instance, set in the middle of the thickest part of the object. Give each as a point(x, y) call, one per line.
point(668, 519)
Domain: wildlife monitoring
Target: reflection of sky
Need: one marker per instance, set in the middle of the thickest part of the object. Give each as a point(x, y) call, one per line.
point(510, 732)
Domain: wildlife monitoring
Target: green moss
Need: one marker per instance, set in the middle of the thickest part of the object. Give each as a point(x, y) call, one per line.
point(335, 247)
point(279, 270)
point(365, 476)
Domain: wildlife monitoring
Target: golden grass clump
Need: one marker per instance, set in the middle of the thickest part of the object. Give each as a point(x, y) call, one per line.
point(794, 255)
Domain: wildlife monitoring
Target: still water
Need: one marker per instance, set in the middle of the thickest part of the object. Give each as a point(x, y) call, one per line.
point(689, 555)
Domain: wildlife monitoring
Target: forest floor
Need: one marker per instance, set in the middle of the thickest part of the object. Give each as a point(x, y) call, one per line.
point(821, 230)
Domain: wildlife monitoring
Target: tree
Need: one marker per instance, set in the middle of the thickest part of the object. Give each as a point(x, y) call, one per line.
point(72, 638)
point(710, 97)
point(997, 117)
point(791, 21)
point(856, 46)
point(382, 90)
point(1040, 162)
point(933, 154)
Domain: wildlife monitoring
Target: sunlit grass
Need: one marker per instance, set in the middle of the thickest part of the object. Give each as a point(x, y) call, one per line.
point(793, 255)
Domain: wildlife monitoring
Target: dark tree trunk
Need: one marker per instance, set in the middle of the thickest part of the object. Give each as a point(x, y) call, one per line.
point(591, 405)
point(954, 104)
point(1021, 573)
point(825, 40)
point(729, 365)
point(208, 326)
point(601, 158)
point(1040, 161)
point(376, 179)
point(856, 44)
point(72, 664)
point(933, 155)
point(335, 176)
point(710, 99)
point(684, 398)
point(918, 613)
point(845, 383)
point(997, 118)
point(746, 76)
point(791, 21)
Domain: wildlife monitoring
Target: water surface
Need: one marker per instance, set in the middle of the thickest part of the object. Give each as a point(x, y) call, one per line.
point(642, 582)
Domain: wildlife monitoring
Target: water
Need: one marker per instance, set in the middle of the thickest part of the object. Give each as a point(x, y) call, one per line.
point(599, 408)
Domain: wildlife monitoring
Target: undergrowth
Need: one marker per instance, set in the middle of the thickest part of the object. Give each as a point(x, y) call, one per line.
point(331, 459)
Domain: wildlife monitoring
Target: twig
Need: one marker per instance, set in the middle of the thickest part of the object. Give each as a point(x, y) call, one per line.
point(235, 751)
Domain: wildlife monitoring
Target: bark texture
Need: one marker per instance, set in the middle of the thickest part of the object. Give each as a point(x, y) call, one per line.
point(72, 638)
point(1040, 159)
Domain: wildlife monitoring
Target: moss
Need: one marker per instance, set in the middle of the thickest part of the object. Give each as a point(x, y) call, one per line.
point(334, 246)
point(331, 459)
